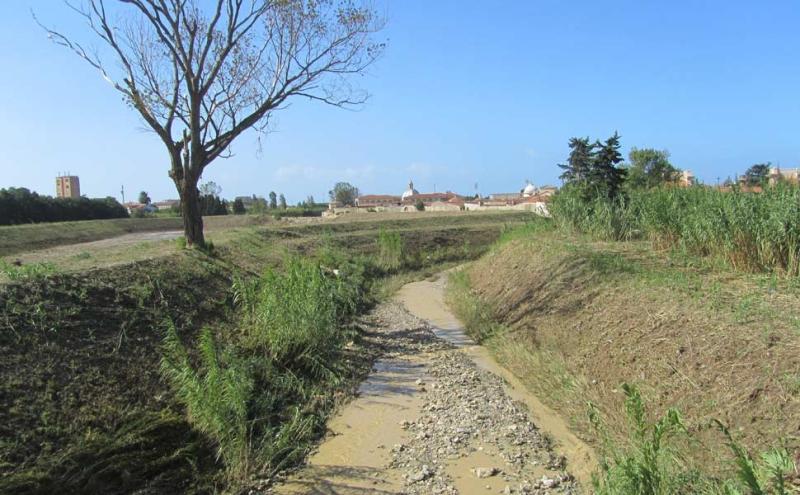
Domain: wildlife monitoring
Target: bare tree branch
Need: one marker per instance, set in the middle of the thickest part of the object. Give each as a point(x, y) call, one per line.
point(202, 72)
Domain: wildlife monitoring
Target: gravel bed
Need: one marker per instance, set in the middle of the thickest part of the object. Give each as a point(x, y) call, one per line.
point(466, 409)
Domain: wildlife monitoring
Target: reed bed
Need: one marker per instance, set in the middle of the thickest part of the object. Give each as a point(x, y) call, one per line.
point(750, 231)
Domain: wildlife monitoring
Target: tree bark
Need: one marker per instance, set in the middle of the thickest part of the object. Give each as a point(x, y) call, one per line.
point(190, 210)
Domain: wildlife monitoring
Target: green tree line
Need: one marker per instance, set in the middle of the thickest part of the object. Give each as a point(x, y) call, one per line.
point(19, 205)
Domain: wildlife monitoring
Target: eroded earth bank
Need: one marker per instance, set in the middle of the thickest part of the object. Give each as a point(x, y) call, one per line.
point(437, 416)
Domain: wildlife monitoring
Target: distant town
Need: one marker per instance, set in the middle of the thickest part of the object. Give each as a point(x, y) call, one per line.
point(69, 203)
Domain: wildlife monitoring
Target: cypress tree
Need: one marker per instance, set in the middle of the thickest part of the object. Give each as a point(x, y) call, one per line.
point(605, 174)
point(580, 161)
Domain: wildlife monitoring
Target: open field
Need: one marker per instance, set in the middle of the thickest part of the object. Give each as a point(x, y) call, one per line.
point(575, 319)
point(86, 404)
point(31, 237)
point(159, 242)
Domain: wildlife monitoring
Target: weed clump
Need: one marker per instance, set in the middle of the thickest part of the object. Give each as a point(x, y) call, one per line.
point(651, 463)
point(390, 250)
point(262, 395)
point(649, 466)
point(294, 314)
point(766, 476)
point(27, 271)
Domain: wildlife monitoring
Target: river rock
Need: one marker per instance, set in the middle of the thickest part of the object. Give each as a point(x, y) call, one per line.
point(485, 472)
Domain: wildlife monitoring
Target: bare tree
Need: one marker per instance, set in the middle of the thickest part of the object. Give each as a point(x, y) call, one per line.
point(201, 72)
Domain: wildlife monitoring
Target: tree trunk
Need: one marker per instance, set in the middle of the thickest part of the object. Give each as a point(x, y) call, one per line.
point(190, 210)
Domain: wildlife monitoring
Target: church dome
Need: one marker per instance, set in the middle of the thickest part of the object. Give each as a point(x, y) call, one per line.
point(529, 190)
point(410, 191)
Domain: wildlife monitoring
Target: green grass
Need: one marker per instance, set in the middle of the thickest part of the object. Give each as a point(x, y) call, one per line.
point(27, 271)
point(16, 239)
point(478, 317)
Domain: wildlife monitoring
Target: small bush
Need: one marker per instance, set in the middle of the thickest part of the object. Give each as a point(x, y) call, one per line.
point(649, 465)
point(262, 397)
point(767, 476)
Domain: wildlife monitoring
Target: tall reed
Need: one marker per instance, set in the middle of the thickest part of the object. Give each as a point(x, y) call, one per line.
point(260, 395)
point(216, 395)
point(752, 231)
point(294, 314)
point(390, 250)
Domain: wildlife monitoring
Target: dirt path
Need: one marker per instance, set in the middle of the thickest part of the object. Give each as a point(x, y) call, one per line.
point(435, 416)
point(120, 241)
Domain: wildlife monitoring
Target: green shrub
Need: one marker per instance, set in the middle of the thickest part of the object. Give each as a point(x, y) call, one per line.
point(649, 465)
point(262, 397)
point(758, 477)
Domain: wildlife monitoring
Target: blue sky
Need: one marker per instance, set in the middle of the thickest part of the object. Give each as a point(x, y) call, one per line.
point(467, 91)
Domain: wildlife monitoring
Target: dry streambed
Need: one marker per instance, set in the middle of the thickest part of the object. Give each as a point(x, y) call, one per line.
point(431, 418)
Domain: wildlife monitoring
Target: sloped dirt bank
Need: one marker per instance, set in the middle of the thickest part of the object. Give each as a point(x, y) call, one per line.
point(574, 320)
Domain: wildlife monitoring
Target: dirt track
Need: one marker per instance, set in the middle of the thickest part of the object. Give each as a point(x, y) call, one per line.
point(435, 417)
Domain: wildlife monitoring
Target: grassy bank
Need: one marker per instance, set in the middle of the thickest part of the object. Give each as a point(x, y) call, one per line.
point(576, 319)
point(121, 379)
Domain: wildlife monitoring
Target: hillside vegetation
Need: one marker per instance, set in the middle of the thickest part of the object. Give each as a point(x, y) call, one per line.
point(697, 322)
point(197, 372)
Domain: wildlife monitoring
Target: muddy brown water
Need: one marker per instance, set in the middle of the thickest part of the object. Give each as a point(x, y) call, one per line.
point(425, 299)
point(355, 456)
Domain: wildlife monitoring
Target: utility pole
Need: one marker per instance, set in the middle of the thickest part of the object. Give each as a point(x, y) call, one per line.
point(123, 193)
